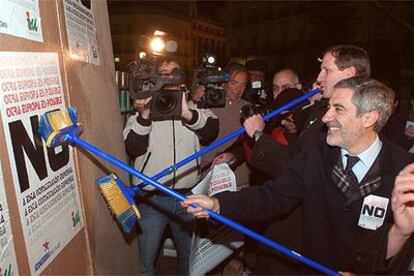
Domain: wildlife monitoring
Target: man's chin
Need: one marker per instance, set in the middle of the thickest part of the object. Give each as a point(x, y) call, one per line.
point(331, 142)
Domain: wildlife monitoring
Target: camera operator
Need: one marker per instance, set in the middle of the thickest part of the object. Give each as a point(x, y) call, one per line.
point(285, 78)
point(282, 129)
point(156, 144)
point(229, 116)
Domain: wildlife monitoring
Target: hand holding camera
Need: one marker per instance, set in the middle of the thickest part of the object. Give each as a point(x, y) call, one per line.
point(186, 113)
point(198, 93)
point(142, 107)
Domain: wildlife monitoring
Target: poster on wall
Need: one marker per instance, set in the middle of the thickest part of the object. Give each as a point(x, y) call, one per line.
point(21, 18)
point(8, 264)
point(80, 28)
point(44, 178)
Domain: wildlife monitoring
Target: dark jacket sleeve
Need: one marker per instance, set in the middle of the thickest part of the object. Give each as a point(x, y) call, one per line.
point(237, 150)
point(272, 199)
point(136, 144)
point(205, 125)
point(400, 263)
point(270, 156)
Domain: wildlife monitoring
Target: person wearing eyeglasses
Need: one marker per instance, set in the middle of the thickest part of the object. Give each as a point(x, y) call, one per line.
point(283, 79)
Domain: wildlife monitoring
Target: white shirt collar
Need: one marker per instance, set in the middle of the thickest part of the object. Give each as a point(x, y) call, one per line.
point(367, 158)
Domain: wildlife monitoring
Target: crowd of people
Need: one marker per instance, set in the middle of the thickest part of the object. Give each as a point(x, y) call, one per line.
point(331, 178)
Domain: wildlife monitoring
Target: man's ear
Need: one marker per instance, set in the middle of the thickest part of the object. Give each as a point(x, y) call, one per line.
point(299, 86)
point(369, 119)
point(350, 72)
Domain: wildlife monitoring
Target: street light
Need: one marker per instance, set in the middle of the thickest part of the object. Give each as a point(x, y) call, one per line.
point(157, 45)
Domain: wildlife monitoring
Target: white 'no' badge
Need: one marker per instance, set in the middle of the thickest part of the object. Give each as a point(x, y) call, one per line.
point(373, 211)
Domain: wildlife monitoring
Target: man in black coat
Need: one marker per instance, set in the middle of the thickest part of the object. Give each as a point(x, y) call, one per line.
point(339, 62)
point(345, 186)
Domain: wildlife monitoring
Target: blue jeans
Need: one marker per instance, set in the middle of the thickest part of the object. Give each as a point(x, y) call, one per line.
point(157, 212)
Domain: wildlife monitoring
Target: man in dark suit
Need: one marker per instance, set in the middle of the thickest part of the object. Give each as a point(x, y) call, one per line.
point(339, 62)
point(345, 186)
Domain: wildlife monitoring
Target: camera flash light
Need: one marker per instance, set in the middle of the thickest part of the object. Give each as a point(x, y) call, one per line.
point(157, 45)
point(211, 60)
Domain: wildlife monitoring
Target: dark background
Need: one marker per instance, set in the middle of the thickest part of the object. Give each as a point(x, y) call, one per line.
point(294, 33)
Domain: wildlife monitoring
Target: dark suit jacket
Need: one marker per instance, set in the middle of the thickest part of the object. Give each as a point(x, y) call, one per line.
point(272, 157)
point(331, 234)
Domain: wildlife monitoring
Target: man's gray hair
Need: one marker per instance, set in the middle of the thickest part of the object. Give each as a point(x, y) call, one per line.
point(237, 68)
point(370, 95)
point(295, 76)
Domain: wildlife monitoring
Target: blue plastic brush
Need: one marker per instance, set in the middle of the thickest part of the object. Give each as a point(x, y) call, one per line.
point(123, 207)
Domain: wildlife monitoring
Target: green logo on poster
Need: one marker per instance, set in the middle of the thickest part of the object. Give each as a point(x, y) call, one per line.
point(7, 271)
point(31, 22)
point(75, 218)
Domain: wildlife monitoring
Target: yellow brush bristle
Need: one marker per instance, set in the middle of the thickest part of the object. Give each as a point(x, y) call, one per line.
point(59, 119)
point(137, 213)
point(116, 199)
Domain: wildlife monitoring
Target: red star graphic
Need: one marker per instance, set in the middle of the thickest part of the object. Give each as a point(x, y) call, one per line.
point(46, 245)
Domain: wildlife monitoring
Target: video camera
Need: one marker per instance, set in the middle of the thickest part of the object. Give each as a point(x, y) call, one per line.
point(212, 77)
point(145, 81)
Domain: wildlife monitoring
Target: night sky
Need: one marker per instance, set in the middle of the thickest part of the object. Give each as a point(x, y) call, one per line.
point(208, 9)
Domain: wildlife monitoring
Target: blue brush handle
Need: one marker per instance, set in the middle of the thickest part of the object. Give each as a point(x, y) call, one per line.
point(229, 137)
point(72, 138)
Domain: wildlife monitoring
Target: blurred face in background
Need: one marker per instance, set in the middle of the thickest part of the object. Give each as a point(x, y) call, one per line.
point(166, 68)
point(289, 124)
point(236, 85)
point(282, 80)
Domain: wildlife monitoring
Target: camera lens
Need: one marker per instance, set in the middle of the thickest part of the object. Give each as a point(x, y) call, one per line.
point(165, 103)
point(214, 95)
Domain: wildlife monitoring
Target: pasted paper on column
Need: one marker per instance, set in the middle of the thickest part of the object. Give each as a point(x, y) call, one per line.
point(44, 178)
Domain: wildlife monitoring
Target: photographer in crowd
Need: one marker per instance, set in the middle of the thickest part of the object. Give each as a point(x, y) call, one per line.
point(155, 144)
point(281, 129)
point(229, 115)
point(240, 150)
point(355, 219)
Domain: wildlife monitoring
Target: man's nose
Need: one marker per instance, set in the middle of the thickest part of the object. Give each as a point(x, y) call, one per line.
point(239, 88)
point(327, 117)
point(320, 77)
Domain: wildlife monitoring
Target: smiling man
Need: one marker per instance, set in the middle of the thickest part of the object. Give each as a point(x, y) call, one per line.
point(344, 185)
point(338, 62)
